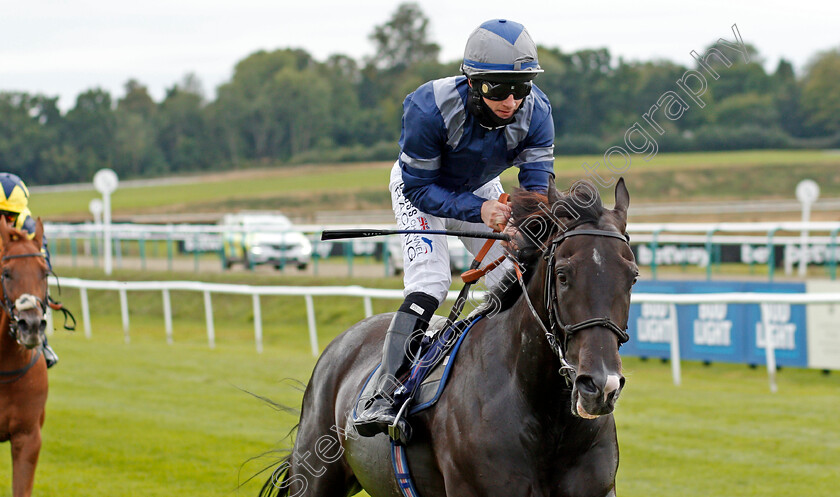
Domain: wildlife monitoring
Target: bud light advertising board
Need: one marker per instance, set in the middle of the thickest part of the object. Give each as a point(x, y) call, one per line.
point(719, 332)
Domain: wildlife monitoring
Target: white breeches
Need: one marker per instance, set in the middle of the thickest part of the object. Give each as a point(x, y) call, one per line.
point(427, 257)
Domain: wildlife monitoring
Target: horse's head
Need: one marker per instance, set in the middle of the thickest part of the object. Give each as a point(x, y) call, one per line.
point(23, 277)
point(583, 270)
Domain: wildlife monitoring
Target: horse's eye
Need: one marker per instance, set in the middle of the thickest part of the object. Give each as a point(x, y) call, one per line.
point(562, 278)
point(7, 274)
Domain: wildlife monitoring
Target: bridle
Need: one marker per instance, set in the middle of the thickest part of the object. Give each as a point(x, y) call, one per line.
point(10, 307)
point(552, 302)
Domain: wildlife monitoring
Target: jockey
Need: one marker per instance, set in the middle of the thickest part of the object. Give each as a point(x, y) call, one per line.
point(14, 206)
point(458, 134)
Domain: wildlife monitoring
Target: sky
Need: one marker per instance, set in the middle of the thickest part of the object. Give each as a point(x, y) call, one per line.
point(64, 47)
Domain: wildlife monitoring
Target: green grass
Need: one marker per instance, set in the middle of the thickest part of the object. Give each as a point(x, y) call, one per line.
point(306, 189)
point(723, 433)
point(151, 419)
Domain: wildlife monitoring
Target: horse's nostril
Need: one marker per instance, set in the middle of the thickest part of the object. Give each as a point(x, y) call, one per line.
point(613, 384)
point(586, 385)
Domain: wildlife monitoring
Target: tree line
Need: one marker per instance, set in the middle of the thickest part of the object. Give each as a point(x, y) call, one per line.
point(284, 106)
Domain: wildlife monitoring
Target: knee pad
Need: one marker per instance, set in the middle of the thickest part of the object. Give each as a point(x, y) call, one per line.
point(421, 305)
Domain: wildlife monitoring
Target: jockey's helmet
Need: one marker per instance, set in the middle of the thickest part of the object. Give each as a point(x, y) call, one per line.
point(501, 51)
point(14, 198)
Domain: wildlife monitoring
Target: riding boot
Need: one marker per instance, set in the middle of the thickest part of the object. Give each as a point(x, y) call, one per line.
point(380, 413)
point(49, 355)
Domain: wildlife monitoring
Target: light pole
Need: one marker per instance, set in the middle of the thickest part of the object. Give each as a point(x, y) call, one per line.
point(807, 192)
point(106, 181)
point(95, 207)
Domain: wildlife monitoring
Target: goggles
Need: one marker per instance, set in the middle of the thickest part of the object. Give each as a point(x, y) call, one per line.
point(11, 217)
point(500, 91)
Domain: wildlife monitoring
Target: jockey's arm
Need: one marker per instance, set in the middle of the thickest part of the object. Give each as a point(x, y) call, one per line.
point(422, 191)
point(422, 141)
point(439, 201)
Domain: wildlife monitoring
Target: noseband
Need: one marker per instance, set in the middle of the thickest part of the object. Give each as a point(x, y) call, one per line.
point(11, 307)
point(552, 302)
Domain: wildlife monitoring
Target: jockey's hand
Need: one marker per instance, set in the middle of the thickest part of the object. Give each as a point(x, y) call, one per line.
point(511, 244)
point(495, 214)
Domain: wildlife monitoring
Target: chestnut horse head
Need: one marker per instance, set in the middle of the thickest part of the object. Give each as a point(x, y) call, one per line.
point(23, 278)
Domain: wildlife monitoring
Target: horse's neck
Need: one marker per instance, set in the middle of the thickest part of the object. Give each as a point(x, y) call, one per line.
point(536, 366)
point(537, 380)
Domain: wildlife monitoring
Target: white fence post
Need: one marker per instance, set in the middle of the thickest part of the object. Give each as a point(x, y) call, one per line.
point(85, 311)
point(124, 312)
point(310, 319)
point(208, 314)
point(368, 307)
point(676, 367)
point(258, 332)
point(770, 351)
point(769, 348)
point(167, 315)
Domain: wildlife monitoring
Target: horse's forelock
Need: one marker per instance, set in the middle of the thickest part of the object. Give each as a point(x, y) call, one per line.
point(18, 242)
point(15, 236)
point(532, 213)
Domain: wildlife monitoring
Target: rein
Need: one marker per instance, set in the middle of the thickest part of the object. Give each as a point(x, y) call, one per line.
point(552, 302)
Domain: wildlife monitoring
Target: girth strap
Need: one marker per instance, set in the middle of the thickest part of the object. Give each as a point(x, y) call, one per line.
point(401, 471)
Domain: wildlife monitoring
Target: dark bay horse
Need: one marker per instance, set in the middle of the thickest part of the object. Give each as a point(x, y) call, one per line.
point(528, 408)
point(23, 371)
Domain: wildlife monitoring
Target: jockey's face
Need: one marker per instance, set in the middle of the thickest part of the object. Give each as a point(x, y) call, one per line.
point(503, 108)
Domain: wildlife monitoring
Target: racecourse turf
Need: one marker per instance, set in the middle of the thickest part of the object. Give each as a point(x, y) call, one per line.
point(151, 419)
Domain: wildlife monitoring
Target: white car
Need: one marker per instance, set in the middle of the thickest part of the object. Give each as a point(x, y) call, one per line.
point(459, 257)
point(254, 238)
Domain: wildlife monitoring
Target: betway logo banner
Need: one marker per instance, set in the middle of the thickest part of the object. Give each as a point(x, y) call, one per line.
point(697, 255)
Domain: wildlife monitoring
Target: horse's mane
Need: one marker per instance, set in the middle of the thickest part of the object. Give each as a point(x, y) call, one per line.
point(539, 221)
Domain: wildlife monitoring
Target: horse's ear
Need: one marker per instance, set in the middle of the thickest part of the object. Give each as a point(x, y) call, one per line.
point(4, 232)
point(553, 194)
point(622, 198)
point(39, 233)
